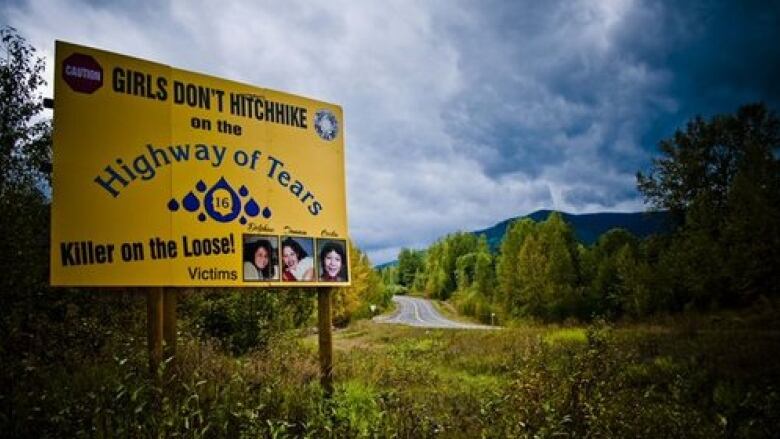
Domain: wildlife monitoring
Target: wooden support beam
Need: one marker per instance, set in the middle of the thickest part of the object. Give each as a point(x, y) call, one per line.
point(325, 339)
point(154, 323)
point(170, 296)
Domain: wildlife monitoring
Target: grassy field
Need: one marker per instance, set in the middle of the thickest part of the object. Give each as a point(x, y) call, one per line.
point(692, 377)
point(701, 376)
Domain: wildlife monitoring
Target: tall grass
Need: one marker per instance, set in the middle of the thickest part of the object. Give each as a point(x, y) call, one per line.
point(668, 380)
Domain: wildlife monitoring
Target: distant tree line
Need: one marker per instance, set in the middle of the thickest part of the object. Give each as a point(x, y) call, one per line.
point(719, 179)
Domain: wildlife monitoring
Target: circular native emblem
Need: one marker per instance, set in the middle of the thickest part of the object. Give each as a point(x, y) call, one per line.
point(326, 124)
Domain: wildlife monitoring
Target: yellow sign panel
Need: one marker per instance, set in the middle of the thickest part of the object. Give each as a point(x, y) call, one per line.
point(168, 177)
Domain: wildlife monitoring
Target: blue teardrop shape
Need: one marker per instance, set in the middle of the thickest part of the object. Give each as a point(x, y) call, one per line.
point(173, 205)
point(242, 220)
point(235, 202)
point(251, 208)
point(201, 186)
point(266, 213)
point(191, 202)
point(202, 217)
point(243, 191)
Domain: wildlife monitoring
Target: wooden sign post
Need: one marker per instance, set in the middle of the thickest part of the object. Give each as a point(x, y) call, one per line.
point(161, 331)
point(154, 324)
point(161, 325)
point(169, 323)
point(325, 339)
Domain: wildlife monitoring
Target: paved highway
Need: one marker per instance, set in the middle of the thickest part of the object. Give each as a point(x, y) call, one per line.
point(414, 311)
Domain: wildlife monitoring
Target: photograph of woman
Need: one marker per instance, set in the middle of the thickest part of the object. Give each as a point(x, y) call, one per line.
point(260, 258)
point(332, 261)
point(298, 265)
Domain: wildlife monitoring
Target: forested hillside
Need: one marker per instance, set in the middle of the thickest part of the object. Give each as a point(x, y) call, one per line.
point(587, 227)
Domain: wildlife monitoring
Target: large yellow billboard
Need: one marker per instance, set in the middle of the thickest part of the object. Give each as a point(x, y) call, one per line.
point(164, 177)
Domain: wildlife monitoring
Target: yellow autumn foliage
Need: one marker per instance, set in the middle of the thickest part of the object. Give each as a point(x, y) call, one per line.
point(366, 288)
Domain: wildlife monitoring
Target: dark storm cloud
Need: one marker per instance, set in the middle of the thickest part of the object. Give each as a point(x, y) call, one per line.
point(720, 55)
point(556, 82)
point(461, 114)
point(546, 89)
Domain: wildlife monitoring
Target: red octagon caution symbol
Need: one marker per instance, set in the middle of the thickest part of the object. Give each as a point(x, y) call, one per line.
point(82, 73)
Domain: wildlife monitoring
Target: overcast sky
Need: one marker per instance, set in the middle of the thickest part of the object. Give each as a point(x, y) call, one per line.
point(460, 114)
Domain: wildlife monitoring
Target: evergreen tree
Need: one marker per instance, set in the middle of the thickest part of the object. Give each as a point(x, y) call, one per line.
point(634, 282)
point(549, 270)
point(464, 271)
point(507, 269)
point(410, 262)
point(476, 282)
point(484, 275)
point(475, 270)
point(600, 272)
point(441, 262)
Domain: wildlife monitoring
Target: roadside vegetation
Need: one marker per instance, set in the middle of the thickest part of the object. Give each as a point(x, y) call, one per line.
point(698, 376)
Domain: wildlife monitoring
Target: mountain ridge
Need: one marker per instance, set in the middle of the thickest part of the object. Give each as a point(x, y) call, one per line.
point(588, 227)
